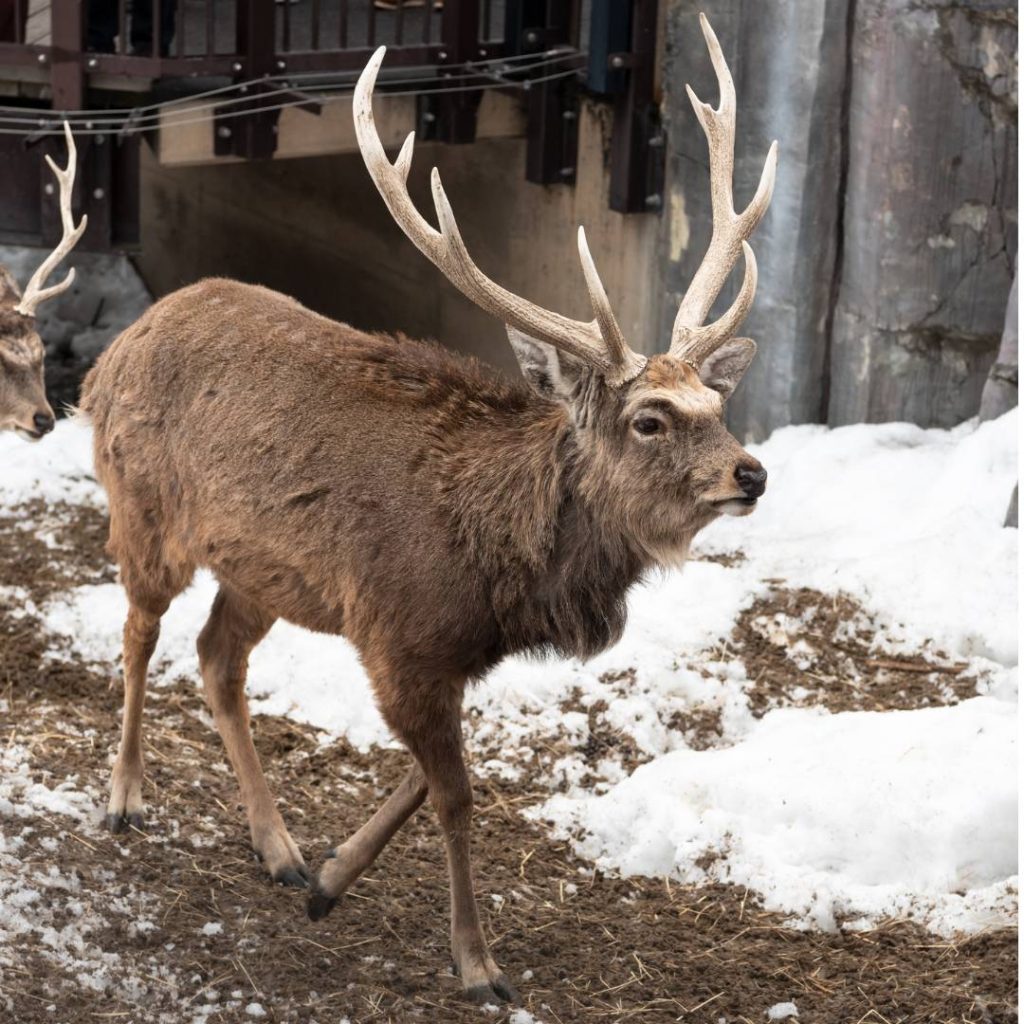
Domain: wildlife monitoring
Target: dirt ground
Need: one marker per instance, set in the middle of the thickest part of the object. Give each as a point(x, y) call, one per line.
point(195, 932)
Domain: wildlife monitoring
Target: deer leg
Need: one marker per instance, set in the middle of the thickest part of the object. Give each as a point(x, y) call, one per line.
point(439, 750)
point(141, 630)
point(427, 718)
point(348, 861)
point(233, 629)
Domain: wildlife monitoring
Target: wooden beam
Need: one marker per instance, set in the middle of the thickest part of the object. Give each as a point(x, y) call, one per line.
point(186, 136)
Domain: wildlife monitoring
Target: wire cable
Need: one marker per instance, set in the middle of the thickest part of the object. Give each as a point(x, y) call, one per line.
point(104, 121)
point(326, 99)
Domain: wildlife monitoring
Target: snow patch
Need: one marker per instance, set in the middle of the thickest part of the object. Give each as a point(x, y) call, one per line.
point(832, 818)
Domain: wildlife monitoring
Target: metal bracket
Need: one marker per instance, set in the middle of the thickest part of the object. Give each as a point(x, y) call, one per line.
point(460, 35)
point(552, 132)
point(552, 107)
point(247, 128)
point(428, 109)
point(610, 46)
point(622, 58)
point(637, 160)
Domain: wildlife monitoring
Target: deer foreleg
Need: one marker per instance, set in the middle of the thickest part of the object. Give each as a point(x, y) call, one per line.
point(348, 861)
point(426, 717)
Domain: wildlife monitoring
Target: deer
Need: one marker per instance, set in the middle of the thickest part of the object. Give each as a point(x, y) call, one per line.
point(23, 405)
point(438, 515)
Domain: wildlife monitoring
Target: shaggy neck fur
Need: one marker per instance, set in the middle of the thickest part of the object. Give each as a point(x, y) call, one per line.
point(558, 567)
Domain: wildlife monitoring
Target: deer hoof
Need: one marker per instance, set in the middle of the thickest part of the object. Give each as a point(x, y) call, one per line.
point(120, 822)
point(501, 990)
point(320, 905)
point(297, 878)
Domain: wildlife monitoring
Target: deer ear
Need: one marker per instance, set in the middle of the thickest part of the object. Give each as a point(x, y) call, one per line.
point(724, 368)
point(10, 293)
point(548, 371)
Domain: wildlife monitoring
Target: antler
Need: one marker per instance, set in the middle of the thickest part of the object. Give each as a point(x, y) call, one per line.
point(35, 293)
point(598, 342)
point(730, 230)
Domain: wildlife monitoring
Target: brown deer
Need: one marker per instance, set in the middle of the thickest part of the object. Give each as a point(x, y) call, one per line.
point(410, 499)
point(23, 404)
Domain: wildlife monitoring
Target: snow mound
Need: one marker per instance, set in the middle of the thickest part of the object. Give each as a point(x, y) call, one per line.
point(829, 817)
point(58, 468)
point(908, 521)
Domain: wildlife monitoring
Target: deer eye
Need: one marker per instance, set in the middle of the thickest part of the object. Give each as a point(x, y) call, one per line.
point(646, 426)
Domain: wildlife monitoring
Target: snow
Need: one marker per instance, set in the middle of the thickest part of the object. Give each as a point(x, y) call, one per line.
point(844, 818)
point(57, 469)
point(780, 1011)
point(63, 915)
point(907, 520)
point(23, 797)
point(522, 1016)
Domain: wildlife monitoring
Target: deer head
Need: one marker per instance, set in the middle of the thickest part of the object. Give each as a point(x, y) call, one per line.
point(23, 404)
point(656, 424)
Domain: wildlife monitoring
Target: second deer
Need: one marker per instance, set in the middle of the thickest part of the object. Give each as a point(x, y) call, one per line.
point(23, 405)
point(411, 500)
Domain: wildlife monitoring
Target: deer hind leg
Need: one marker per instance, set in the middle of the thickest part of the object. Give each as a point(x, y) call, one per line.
point(234, 628)
point(141, 631)
point(427, 718)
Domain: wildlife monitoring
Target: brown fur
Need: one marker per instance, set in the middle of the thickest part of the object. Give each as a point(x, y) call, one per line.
point(385, 489)
point(22, 392)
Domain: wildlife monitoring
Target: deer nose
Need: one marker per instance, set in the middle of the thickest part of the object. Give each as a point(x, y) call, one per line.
point(751, 480)
point(43, 422)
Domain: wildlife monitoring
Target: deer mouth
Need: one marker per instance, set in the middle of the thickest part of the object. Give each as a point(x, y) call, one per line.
point(28, 435)
point(735, 506)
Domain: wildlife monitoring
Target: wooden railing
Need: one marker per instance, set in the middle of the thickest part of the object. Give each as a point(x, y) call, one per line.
point(80, 42)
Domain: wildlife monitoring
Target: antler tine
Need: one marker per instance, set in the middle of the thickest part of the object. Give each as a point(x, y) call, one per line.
point(598, 342)
point(730, 230)
point(622, 354)
point(35, 293)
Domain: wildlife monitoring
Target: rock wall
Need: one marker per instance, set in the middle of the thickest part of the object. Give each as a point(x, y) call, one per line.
point(887, 255)
point(108, 295)
point(788, 59)
point(930, 218)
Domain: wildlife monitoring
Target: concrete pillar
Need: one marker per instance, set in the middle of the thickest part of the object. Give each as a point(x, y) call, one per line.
point(930, 216)
point(788, 59)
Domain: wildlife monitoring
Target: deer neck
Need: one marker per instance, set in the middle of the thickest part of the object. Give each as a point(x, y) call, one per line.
point(556, 557)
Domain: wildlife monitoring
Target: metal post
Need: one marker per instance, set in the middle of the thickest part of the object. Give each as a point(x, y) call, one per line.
point(252, 135)
point(66, 76)
point(460, 38)
point(552, 132)
point(638, 145)
point(552, 121)
point(255, 37)
point(610, 24)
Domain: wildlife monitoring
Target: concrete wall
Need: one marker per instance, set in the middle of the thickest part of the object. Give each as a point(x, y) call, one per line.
point(788, 63)
point(930, 210)
point(887, 256)
point(316, 228)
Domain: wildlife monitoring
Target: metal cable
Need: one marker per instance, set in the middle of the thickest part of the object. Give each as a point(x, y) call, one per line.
point(524, 86)
point(108, 119)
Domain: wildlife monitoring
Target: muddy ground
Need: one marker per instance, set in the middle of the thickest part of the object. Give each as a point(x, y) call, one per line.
point(581, 946)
